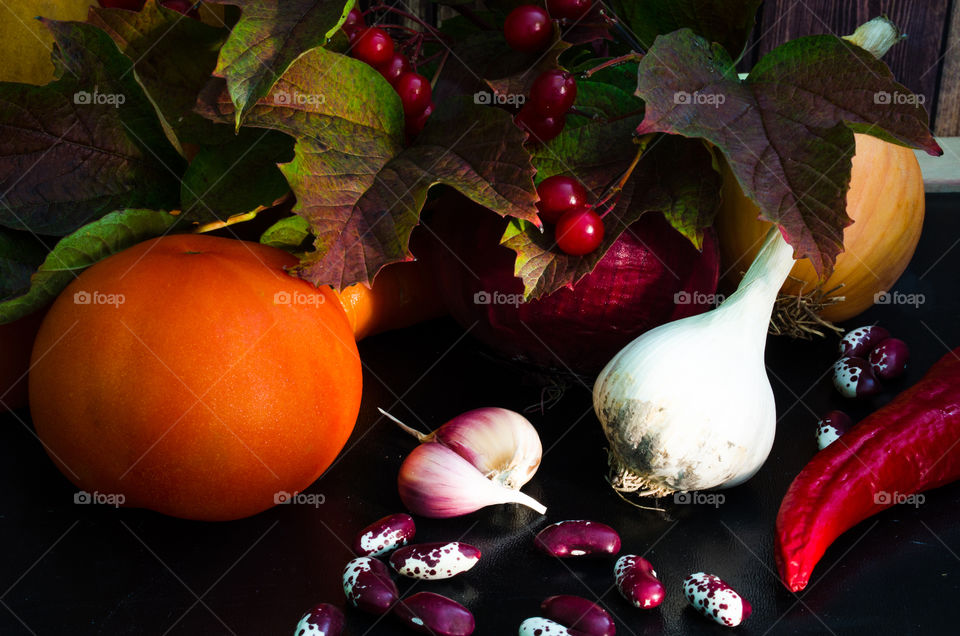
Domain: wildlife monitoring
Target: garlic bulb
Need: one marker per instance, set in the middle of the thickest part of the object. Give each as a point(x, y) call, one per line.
point(688, 406)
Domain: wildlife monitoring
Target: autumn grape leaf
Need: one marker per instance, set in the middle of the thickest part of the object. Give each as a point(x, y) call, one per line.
point(172, 57)
point(270, 36)
point(787, 130)
point(675, 176)
point(727, 22)
point(74, 253)
point(236, 177)
point(84, 145)
point(291, 233)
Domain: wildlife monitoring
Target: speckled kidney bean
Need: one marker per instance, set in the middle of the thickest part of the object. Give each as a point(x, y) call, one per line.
point(430, 613)
point(831, 426)
point(539, 626)
point(853, 378)
point(578, 538)
point(637, 581)
point(434, 561)
point(368, 586)
point(715, 599)
point(859, 342)
point(321, 620)
point(579, 613)
point(888, 360)
point(385, 535)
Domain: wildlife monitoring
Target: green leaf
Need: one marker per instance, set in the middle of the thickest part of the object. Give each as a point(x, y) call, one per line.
point(291, 233)
point(727, 22)
point(173, 59)
point(74, 253)
point(84, 145)
point(675, 176)
point(786, 130)
point(20, 255)
point(236, 177)
point(270, 36)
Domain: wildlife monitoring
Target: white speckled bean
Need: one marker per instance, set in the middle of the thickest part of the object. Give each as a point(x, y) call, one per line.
point(715, 599)
point(434, 561)
point(321, 620)
point(368, 586)
point(853, 378)
point(859, 342)
point(539, 626)
point(385, 535)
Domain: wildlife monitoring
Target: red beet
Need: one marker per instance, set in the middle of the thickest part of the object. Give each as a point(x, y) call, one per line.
point(650, 276)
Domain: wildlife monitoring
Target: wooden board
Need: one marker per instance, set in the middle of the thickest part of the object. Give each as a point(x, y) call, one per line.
point(915, 62)
point(948, 101)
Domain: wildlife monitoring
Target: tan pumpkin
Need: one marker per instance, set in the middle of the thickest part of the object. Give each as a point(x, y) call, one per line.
point(886, 203)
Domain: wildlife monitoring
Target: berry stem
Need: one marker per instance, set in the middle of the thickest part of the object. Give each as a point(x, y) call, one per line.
point(623, 32)
point(617, 187)
point(632, 56)
point(405, 14)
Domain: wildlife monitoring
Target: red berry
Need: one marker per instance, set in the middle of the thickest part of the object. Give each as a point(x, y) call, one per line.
point(569, 9)
point(130, 5)
point(553, 92)
point(528, 28)
point(558, 194)
point(542, 129)
point(397, 65)
point(579, 231)
point(415, 124)
point(354, 20)
point(414, 90)
point(373, 46)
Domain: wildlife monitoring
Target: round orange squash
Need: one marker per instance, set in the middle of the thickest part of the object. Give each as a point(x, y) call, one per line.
point(192, 376)
point(886, 203)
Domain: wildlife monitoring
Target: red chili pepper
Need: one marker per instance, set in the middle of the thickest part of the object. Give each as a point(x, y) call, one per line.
point(908, 446)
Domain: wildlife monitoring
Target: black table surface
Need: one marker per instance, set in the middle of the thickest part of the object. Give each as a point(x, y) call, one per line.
point(86, 569)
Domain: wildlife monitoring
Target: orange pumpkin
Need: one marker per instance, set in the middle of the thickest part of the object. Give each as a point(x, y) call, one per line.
point(886, 203)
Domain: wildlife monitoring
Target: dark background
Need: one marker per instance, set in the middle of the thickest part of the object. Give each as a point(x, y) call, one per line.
point(73, 569)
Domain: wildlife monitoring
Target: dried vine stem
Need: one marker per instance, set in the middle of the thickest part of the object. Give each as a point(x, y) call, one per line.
point(798, 316)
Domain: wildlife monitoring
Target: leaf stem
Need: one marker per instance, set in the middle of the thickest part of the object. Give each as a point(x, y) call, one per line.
point(632, 56)
point(622, 181)
point(233, 220)
point(421, 437)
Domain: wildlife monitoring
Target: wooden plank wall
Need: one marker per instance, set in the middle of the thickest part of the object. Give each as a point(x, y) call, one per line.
point(948, 102)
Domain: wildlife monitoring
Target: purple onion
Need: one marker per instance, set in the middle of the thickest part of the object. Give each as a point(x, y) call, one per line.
point(430, 613)
point(578, 538)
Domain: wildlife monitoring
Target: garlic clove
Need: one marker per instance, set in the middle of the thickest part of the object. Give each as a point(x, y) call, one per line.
point(436, 482)
point(502, 444)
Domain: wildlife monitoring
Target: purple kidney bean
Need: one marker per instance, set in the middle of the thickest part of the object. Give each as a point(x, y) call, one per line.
point(385, 535)
point(368, 586)
point(853, 378)
point(321, 620)
point(430, 613)
point(715, 599)
point(578, 538)
point(888, 360)
point(638, 582)
point(831, 426)
point(857, 343)
point(579, 613)
point(434, 561)
point(539, 626)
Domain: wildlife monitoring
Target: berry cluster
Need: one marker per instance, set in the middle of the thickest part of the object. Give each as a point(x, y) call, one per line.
point(545, 112)
point(563, 201)
point(374, 46)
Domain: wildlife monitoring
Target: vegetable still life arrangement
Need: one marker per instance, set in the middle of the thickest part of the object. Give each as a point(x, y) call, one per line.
point(214, 202)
